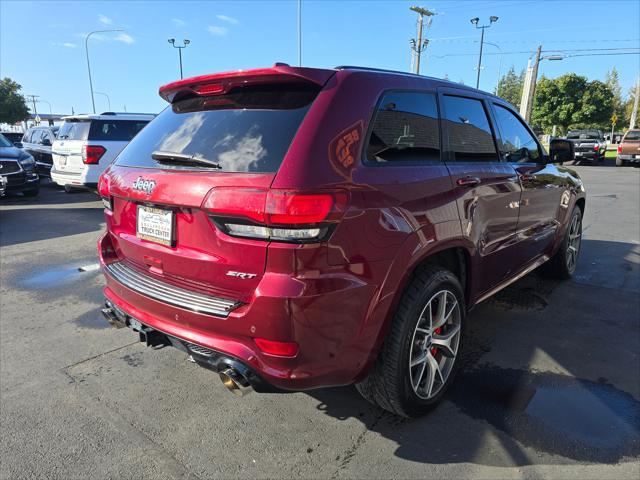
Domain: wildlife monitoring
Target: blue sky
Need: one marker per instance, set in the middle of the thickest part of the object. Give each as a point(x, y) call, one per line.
point(42, 45)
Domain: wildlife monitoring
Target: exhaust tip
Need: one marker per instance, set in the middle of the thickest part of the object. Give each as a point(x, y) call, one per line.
point(235, 382)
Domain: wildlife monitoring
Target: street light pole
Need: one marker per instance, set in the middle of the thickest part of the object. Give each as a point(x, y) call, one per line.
point(86, 49)
point(50, 109)
point(492, 19)
point(418, 45)
point(108, 99)
point(185, 42)
point(499, 64)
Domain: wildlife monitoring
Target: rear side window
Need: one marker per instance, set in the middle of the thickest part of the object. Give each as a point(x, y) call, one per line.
point(117, 130)
point(633, 135)
point(247, 130)
point(74, 130)
point(469, 131)
point(517, 144)
point(405, 129)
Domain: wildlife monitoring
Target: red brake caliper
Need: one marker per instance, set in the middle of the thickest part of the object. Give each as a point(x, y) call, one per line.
point(434, 350)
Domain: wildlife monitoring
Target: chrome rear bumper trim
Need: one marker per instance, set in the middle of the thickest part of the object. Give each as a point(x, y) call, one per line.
point(166, 293)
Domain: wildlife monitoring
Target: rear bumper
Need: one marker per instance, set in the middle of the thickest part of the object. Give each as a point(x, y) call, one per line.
point(87, 178)
point(324, 314)
point(590, 155)
point(629, 158)
point(21, 182)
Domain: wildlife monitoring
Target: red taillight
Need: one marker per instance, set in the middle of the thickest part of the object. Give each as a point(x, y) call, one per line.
point(276, 207)
point(92, 154)
point(280, 349)
point(278, 215)
point(596, 147)
point(619, 148)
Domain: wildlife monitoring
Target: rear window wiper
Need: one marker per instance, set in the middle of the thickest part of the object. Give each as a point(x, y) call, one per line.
point(175, 157)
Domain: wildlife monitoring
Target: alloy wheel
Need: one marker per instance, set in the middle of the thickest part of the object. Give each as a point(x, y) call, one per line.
point(573, 245)
point(434, 345)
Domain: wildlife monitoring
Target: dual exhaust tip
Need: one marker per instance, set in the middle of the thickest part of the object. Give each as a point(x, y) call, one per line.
point(235, 382)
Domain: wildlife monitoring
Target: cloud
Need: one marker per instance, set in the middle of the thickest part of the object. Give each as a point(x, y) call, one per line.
point(179, 23)
point(227, 19)
point(105, 20)
point(124, 38)
point(218, 31)
point(64, 44)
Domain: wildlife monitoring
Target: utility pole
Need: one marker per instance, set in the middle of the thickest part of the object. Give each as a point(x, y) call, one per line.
point(474, 21)
point(33, 99)
point(529, 88)
point(418, 45)
point(634, 112)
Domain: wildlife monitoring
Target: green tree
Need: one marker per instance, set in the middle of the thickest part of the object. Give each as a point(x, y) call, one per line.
point(612, 81)
point(510, 87)
point(571, 101)
point(13, 107)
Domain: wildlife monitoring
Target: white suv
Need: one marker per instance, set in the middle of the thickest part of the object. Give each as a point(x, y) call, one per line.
point(87, 144)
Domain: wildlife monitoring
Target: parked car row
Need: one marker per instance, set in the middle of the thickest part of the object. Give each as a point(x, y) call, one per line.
point(72, 155)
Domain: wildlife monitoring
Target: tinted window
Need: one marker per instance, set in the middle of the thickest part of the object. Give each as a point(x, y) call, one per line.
point(470, 137)
point(74, 130)
point(115, 130)
point(405, 129)
point(517, 144)
point(247, 130)
point(36, 136)
point(584, 135)
point(46, 134)
point(4, 142)
point(632, 135)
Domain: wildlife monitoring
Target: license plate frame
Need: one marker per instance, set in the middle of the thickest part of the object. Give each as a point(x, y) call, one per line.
point(156, 222)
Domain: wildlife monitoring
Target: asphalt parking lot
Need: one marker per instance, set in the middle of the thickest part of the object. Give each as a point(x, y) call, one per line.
point(550, 385)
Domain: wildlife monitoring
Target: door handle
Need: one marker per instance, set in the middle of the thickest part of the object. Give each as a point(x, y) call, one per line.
point(468, 181)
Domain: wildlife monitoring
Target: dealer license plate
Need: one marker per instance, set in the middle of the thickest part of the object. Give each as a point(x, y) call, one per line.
point(155, 225)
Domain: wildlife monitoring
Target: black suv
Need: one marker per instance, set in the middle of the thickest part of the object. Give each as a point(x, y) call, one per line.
point(18, 168)
point(37, 142)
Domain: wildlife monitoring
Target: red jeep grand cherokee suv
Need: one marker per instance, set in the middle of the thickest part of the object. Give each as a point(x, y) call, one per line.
point(295, 228)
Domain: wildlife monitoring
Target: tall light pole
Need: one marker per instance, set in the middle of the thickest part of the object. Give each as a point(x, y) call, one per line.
point(474, 21)
point(108, 99)
point(418, 45)
point(499, 64)
point(50, 109)
point(185, 42)
point(86, 49)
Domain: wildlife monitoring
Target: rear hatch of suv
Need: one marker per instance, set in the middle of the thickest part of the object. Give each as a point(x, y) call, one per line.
point(213, 152)
point(88, 141)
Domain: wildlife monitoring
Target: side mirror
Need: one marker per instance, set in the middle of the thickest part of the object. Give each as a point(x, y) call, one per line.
point(17, 144)
point(561, 150)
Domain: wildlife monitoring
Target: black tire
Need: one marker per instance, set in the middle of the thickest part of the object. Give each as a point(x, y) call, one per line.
point(559, 266)
point(70, 189)
point(389, 385)
point(31, 193)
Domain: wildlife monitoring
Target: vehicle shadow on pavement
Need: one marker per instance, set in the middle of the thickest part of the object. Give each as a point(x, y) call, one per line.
point(536, 383)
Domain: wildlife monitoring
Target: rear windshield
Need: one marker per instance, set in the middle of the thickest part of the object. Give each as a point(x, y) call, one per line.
point(633, 135)
point(584, 135)
point(247, 130)
point(104, 130)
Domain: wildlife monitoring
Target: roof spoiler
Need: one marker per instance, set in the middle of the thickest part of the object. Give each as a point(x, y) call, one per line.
point(220, 83)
